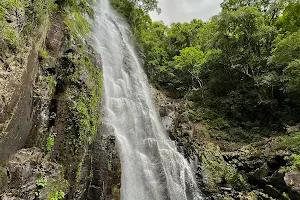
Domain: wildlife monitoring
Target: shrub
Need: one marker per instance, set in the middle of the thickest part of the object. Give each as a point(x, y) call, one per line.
point(44, 54)
point(293, 162)
point(292, 142)
point(49, 143)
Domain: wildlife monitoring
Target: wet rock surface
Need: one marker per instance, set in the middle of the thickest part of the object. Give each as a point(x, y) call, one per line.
point(105, 182)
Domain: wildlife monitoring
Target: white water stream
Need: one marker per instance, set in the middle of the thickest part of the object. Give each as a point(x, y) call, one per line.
point(152, 168)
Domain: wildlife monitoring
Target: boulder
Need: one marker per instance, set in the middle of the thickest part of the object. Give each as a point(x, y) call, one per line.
point(292, 180)
point(259, 175)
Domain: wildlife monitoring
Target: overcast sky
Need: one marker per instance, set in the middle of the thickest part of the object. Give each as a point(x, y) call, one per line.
point(186, 10)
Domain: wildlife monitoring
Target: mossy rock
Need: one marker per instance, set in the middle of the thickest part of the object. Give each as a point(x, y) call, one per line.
point(239, 182)
point(215, 170)
point(54, 189)
point(259, 174)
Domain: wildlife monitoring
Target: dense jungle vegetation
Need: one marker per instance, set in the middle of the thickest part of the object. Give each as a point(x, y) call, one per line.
point(241, 67)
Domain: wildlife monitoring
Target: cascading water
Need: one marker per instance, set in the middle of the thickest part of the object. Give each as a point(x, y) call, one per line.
point(152, 169)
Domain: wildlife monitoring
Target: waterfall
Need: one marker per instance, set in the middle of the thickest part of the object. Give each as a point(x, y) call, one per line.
point(152, 168)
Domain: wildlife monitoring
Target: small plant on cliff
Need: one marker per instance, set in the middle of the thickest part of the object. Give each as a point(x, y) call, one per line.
point(44, 54)
point(49, 143)
point(40, 184)
point(58, 195)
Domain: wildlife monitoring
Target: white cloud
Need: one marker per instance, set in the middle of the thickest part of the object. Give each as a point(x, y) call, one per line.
point(186, 10)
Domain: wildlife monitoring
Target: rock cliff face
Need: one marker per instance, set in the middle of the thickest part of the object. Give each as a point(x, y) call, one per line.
point(52, 145)
point(16, 92)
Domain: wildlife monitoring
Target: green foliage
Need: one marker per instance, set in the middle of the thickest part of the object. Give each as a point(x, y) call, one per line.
point(237, 4)
point(76, 14)
point(239, 182)
point(38, 11)
point(293, 162)
point(289, 21)
point(216, 169)
point(292, 142)
point(49, 143)
point(291, 77)
point(81, 6)
point(285, 196)
point(147, 5)
point(78, 172)
point(53, 189)
point(41, 183)
point(144, 5)
point(189, 59)
point(51, 83)
point(187, 69)
point(26, 16)
point(245, 40)
point(58, 195)
point(86, 115)
point(44, 54)
point(77, 25)
point(287, 50)
point(8, 35)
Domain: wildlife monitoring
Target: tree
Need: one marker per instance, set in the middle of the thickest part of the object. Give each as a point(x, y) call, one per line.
point(153, 52)
point(245, 40)
point(182, 35)
point(147, 5)
point(188, 68)
point(234, 5)
point(270, 9)
point(289, 21)
point(291, 77)
point(287, 50)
